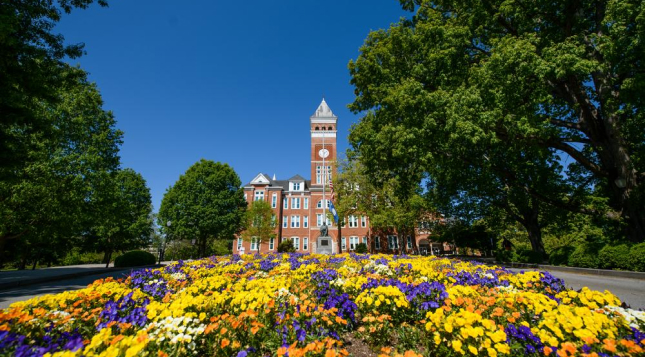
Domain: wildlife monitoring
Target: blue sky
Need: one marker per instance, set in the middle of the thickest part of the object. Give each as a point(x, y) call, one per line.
point(227, 81)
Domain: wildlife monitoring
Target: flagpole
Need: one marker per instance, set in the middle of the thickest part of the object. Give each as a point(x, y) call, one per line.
point(324, 178)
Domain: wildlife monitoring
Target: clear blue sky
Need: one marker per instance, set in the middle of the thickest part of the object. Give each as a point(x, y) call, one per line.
point(227, 81)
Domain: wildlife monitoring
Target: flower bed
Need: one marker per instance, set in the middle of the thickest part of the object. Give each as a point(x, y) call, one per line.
point(308, 305)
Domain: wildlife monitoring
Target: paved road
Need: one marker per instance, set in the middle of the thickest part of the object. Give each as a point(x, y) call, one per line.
point(630, 291)
point(27, 292)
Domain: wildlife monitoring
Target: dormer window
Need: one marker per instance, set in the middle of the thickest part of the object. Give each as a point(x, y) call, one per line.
point(296, 186)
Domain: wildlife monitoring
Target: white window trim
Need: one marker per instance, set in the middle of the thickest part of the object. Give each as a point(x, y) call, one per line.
point(409, 242)
point(305, 204)
point(305, 222)
point(239, 244)
point(274, 200)
point(271, 243)
point(377, 242)
point(305, 243)
point(295, 221)
point(285, 222)
point(296, 242)
point(295, 202)
point(353, 242)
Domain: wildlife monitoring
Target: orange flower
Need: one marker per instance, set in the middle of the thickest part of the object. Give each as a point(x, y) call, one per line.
point(223, 331)
point(609, 345)
point(568, 347)
point(116, 339)
point(498, 311)
point(161, 353)
point(225, 342)
point(282, 351)
point(547, 350)
point(330, 353)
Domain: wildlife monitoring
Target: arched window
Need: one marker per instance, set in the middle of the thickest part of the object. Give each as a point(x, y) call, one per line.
point(317, 128)
point(330, 128)
point(320, 203)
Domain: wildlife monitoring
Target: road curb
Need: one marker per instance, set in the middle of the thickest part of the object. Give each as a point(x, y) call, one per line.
point(32, 281)
point(586, 271)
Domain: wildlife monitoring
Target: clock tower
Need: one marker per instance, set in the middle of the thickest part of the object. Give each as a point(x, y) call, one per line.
point(323, 144)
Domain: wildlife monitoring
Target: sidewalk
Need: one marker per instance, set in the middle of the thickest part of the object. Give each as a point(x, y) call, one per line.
point(573, 270)
point(17, 278)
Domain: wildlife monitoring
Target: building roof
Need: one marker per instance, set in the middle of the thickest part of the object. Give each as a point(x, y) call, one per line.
point(323, 111)
point(284, 184)
point(297, 178)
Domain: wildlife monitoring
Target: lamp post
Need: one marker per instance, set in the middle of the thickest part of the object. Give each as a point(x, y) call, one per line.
point(162, 249)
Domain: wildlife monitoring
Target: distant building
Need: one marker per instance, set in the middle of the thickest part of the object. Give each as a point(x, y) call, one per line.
point(298, 204)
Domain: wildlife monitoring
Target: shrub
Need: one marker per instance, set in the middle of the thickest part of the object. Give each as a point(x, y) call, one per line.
point(134, 258)
point(503, 256)
point(560, 256)
point(180, 250)
point(636, 259)
point(361, 248)
point(222, 246)
point(584, 256)
point(527, 256)
point(614, 257)
point(77, 257)
point(286, 246)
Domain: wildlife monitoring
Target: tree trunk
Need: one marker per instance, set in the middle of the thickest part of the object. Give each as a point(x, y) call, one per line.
point(107, 257)
point(532, 224)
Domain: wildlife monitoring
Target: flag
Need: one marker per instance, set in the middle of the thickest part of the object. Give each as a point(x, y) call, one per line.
point(332, 209)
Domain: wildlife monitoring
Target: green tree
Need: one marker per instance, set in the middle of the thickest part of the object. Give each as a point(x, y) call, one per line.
point(33, 71)
point(391, 205)
point(123, 208)
point(563, 80)
point(260, 223)
point(206, 203)
point(46, 202)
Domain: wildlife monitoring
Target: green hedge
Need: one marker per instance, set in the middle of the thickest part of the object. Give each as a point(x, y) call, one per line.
point(560, 256)
point(361, 248)
point(286, 246)
point(528, 256)
point(636, 257)
point(584, 256)
point(134, 258)
point(614, 257)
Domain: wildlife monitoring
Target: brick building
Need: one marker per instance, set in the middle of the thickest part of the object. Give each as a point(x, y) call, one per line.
point(298, 203)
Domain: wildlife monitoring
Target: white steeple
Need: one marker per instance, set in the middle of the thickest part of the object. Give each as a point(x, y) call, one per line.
point(323, 111)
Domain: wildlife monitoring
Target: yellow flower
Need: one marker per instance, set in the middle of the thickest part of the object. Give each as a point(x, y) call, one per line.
point(456, 345)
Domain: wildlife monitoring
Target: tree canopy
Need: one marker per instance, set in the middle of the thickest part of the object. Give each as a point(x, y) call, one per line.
point(123, 208)
point(32, 70)
point(540, 103)
point(48, 199)
point(206, 203)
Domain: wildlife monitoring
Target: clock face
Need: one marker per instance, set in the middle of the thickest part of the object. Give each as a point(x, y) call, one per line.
point(323, 153)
